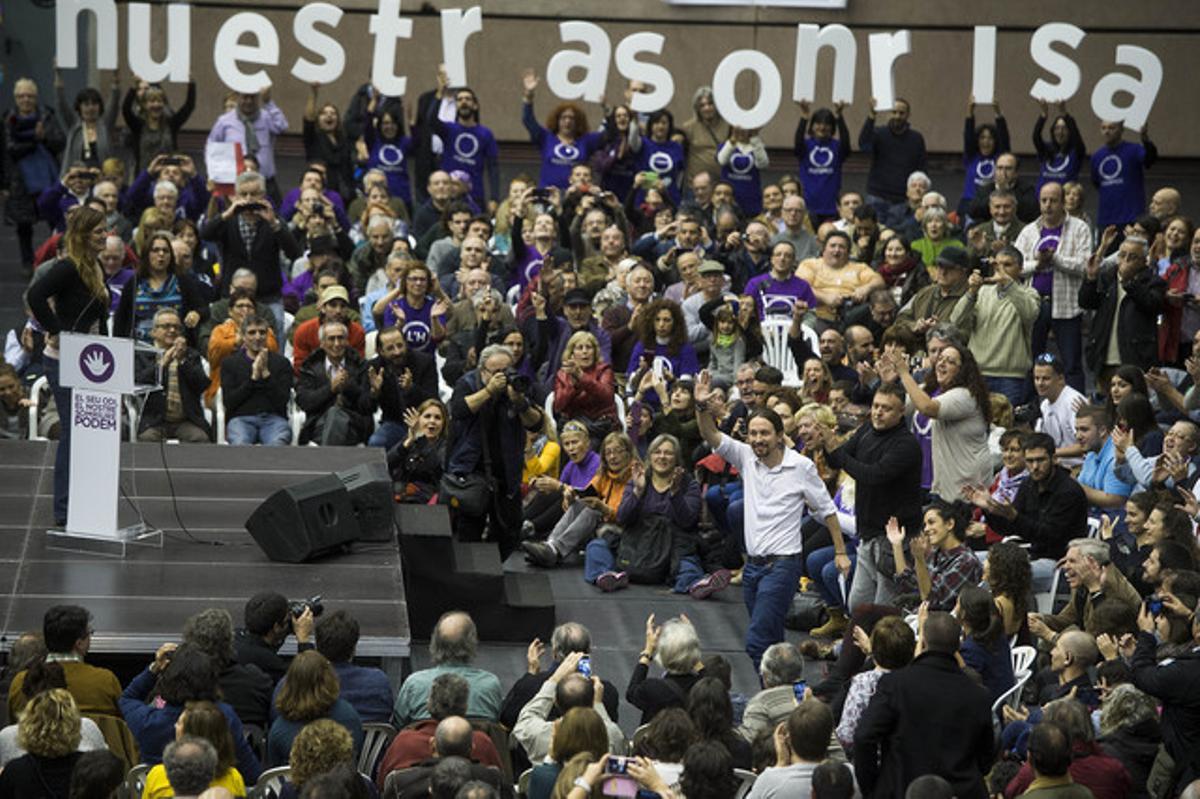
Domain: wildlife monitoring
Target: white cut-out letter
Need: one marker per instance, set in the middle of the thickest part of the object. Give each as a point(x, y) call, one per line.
point(66, 38)
point(1143, 89)
point(594, 62)
point(457, 27)
point(228, 51)
point(809, 41)
point(387, 26)
point(885, 48)
point(654, 75)
point(770, 90)
point(1062, 67)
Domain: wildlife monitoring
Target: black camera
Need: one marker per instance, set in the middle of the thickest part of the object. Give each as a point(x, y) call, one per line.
point(253, 206)
point(519, 382)
point(297, 606)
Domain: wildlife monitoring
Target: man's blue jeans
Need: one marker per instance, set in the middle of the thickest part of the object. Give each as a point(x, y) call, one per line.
point(768, 590)
point(260, 428)
point(387, 435)
point(825, 574)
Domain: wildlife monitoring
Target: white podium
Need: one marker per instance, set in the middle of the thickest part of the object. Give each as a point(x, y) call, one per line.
point(99, 370)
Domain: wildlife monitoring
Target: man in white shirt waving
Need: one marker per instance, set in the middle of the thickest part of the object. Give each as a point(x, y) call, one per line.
point(780, 485)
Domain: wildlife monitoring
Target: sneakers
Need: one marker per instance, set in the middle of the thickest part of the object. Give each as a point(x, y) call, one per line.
point(612, 581)
point(834, 627)
point(539, 553)
point(710, 584)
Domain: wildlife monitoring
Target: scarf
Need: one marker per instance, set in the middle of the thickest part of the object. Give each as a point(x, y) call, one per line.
point(251, 136)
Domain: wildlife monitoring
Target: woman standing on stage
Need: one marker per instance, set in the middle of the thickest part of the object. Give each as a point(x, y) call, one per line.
point(76, 284)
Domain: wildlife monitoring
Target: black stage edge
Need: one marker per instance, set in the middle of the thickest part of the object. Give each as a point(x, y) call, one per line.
point(457, 575)
point(143, 600)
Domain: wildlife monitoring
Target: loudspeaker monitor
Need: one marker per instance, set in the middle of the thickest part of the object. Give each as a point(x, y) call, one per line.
point(370, 488)
point(304, 521)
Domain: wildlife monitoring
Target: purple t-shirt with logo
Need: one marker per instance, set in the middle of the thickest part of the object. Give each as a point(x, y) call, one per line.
point(821, 173)
point(741, 173)
point(1118, 174)
point(417, 329)
point(1048, 239)
point(774, 297)
point(558, 157)
point(981, 170)
point(468, 149)
point(922, 428)
point(667, 160)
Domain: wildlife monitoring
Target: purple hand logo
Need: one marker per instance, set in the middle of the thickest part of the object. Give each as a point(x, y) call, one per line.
point(97, 363)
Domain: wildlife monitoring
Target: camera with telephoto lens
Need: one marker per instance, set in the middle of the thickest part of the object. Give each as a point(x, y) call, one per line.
point(517, 381)
point(296, 607)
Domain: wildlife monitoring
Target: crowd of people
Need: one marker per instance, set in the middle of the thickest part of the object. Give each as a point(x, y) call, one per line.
point(650, 362)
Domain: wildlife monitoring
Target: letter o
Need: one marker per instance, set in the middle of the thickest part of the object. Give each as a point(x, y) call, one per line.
point(769, 95)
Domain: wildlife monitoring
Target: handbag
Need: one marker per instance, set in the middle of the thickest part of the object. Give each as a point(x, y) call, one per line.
point(468, 494)
point(808, 612)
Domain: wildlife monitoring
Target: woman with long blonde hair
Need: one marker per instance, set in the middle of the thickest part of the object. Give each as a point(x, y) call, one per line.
point(75, 282)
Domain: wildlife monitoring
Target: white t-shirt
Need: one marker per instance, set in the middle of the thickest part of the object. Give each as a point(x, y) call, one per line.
point(1058, 421)
point(775, 499)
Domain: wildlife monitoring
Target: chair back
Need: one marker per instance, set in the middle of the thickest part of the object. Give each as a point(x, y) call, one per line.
point(377, 736)
point(776, 352)
point(523, 783)
point(745, 782)
point(135, 780)
point(270, 783)
point(1022, 660)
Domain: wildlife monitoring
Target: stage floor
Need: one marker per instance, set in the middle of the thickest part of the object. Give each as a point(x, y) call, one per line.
point(143, 600)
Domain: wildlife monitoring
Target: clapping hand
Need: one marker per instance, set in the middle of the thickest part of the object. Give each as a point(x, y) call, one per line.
point(704, 390)
point(895, 533)
point(862, 640)
point(1189, 504)
point(529, 82)
point(637, 475)
point(411, 419)
point(375, 377)
point(652, 633)
point(1038, 627)
point(919, 547)
point(533, 656)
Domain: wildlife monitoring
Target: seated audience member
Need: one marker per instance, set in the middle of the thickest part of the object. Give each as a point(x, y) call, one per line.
point(333, 306)
point(928, 717)
point(1174, 467)
point(1050, 508)
point(67, 631)
point(416, 462)
point(985, 646)
point(320, 747)
point(837, 281)
point(567, 637)
point(45, 676)
point(190, 765)
point(543, 504)
point(1089, 767)
point(309, 692)
point(1097, 477)
point(224, 339)
point(49, 731)
point(580, 730)
point(452, 739)
point(246, 687)
point(801, 744)
point(663, 504)
point(676, 647)
point(831, 779)
point(452, 649)
point(890, 646)
point(587, 509)
point(566, 688)
point(256, 386)
point(200, 721)
point(417, 305)
point(176, 411)
point(1092, 578)
point(329, 390)
point(583, 386)
point(1057, 404)
point(448, 696)
point(711, 711)
point(176, 677)
point(398, 379)
point(268, 622)
point(1073, 654)
point(782, 667)
point(663, 346)
point(365, 688)
point(1049, 766)
point(98, 774)
point(159, 282)
point(942, 564)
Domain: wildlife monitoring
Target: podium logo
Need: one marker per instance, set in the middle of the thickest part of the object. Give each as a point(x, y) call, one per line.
point(97, 363)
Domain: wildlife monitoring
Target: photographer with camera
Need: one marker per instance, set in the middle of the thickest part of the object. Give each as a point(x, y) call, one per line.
point(269, 620)
point(74, 189)
point(251, 236)
point(482, 483)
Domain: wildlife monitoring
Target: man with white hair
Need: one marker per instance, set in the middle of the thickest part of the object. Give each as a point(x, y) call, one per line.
point(1174, 467)
point(373, 256)
point(1127, 301)
point(781, 668)
point(329, 391)
point(116, 274)
point(805, 244)
point(191, 764)
point(916, 186)
point(1093, 579)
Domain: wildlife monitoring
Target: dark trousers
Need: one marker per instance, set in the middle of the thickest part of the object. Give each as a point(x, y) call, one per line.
point(767, 591)
point(503, 523)
point(62, 456)
point(1068, 335)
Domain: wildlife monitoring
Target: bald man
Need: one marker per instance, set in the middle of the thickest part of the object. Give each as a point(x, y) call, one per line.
point(1165, 203)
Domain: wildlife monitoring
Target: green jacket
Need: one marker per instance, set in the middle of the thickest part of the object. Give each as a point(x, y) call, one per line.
point(999, 326)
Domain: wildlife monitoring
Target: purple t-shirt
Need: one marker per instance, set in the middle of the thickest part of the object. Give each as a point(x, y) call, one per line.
point(1118, 174)
point(1048, 239)
point(529, 267)
point(417, 329)
point(741, 173)
point(468, 150)
point(578, 475)
point(774, 297)
point(922, 428)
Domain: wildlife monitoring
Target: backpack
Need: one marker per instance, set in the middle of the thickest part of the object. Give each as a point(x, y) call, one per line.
point(644, 551)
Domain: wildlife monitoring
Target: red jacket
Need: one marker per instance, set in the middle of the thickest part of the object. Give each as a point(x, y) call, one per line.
point(308, 339)
point(412, 745)
point(1102, 774)
point(591, 395)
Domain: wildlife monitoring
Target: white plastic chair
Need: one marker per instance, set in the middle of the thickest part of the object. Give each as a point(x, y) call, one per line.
point(270, 783)
point(513, 297)
point(1045, 600)
point(1011, 697)
point(296, 417)
point(1022, 659)
point(745, 782)
point(219, 415)
point(371, 343)
point(776, 352)
point(35, 404)
point(445, 390)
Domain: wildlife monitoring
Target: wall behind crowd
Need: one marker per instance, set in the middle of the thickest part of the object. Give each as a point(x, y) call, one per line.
point(935, 76)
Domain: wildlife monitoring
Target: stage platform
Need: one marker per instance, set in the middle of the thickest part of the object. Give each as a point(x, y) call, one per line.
point(143, 600)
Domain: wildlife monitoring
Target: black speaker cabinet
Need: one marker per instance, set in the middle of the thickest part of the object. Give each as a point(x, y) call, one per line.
point(304, 521)
point(370, 488)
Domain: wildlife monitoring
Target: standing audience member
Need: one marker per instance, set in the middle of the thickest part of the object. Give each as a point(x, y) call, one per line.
point(896, 151)
point(801, 744)
point(254, 122)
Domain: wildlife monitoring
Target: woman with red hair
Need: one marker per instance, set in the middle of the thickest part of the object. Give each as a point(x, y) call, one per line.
point(564, 142)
